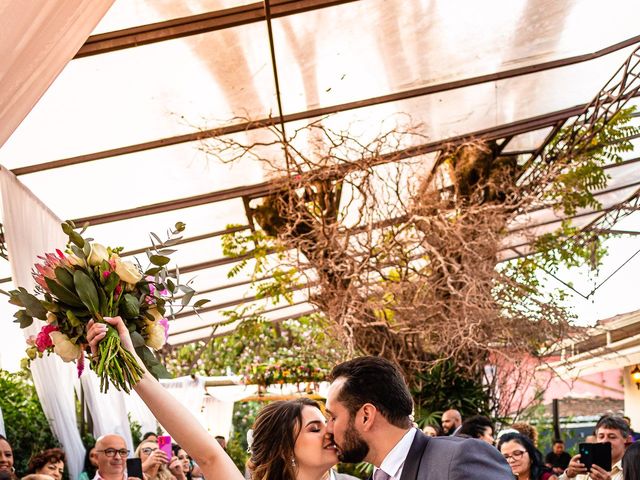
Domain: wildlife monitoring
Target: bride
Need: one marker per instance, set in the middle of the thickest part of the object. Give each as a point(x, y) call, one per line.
point(289, 437)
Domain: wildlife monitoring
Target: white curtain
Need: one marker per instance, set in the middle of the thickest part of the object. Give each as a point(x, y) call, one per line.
point(108, 410)
point(2, 430)
point(31, 229)
point(141, 413)
point(189, 391)
point(218, 407)
point(37, 40)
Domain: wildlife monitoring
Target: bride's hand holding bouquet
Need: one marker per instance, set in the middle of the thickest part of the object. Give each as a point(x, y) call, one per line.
point(90, 282)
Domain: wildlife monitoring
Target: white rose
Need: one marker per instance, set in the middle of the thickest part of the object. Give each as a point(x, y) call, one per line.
point(155, 338)
point(127, 271)
point(64, 348)
point(75, 260)
point(98, 254)
point(155, 314)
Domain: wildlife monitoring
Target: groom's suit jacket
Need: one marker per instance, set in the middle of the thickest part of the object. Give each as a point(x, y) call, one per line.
point(453, 458)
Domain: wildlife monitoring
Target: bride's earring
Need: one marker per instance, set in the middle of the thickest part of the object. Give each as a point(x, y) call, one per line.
point(293, 461)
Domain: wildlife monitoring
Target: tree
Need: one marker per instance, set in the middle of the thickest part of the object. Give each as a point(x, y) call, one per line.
point(25, 423)
point(402, 254)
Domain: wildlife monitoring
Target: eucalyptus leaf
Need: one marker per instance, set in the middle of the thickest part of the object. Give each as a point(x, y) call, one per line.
point(32, 305)
point(159, 260)
point(76, 238)
point(200, 303)
point(137, 340)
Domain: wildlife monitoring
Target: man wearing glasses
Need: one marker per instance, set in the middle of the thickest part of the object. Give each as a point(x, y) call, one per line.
point(111, 454)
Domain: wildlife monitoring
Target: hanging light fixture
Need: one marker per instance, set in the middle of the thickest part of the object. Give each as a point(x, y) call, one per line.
point(635, 376)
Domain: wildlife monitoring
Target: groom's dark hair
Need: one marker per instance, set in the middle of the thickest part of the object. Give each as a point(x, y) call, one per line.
point(377, 381)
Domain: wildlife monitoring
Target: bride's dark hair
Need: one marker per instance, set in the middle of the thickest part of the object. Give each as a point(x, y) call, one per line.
point(275, 432)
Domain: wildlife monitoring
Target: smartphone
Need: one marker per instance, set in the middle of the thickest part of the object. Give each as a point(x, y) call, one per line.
point(164, 444)
point(596, 454)
point(134, 468)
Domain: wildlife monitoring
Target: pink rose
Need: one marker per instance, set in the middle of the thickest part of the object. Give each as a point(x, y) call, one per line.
point(43, 340)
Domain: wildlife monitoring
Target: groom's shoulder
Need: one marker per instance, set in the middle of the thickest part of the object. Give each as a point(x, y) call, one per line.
point(453, 444)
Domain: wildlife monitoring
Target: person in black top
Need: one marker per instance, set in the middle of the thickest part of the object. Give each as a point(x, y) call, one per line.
point(557, 459)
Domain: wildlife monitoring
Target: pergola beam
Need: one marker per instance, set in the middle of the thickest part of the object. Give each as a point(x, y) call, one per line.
point(197, 24)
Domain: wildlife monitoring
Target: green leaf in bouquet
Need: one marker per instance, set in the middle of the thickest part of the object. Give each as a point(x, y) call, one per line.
point(78, 252)
point(137, 340)
point(159, 260)
point(156, 238)
point(50, 306)
point(129, 306)
point(153, 365)
point(67, 228)
point(166, 251)
point(102, 301)
point(111, 283)
point(64, 295)
point(76, 239)
point(5, 293)
point(86, 248)
point(87, 291)
point(153, 271)
point(65, 278)
point(187, 297)
point(32, 305)
point(73, 320)
point(200, 303)
point(23, 318)
point(171, 286)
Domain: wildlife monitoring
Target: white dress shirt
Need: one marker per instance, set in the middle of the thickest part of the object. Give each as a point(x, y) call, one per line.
point(393, 463)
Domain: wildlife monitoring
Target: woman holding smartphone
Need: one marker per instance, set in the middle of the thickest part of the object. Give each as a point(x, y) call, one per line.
point(289, 437)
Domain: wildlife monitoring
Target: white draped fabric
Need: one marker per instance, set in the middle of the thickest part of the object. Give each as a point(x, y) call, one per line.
point(141, 413)
point(30, 230)
point(2, 430)
point(108, 410)
point(218, 407)
point(189, 391)
point(37, 40)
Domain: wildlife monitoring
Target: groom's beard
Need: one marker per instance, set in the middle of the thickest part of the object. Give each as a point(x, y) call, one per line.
point(354, 448)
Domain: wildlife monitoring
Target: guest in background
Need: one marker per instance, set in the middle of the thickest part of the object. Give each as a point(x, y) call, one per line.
point(479, 427)
point(90, 464)
point(154, 461)
point(222, 441)
point(523, 457)
point(48, 462)
point(451, 421)
point(432, 430)
point(111, 455)
point(180, 465)
point(631, 462)
point(557, 459)
point(6, 459)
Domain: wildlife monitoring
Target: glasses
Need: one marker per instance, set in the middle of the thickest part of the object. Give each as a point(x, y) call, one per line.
point(148, 450)
point(111, 452)
point(517, 455)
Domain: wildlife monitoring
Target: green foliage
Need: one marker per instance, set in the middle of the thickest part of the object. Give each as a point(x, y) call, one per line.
point(25, 423)
point(574, 187)
point(299, 342)
point(244, 414)
point(136, 430)
point(446, 386)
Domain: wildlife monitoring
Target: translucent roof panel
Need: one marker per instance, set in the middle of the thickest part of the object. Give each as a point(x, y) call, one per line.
point(149, 92)
point(131, 13)
point(365, 49)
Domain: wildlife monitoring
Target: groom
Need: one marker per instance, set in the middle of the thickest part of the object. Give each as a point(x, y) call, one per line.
point(369, 407)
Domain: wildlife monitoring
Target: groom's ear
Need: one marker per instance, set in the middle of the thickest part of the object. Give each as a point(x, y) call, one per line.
point(368, 414)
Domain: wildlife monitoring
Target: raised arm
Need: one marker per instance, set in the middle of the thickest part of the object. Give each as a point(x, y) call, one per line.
point(177, 420)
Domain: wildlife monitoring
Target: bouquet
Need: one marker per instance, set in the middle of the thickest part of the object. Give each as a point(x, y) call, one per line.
point(91, 281)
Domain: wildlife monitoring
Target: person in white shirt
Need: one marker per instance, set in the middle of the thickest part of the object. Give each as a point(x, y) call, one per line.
point(370, 407)
point(610, 428)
